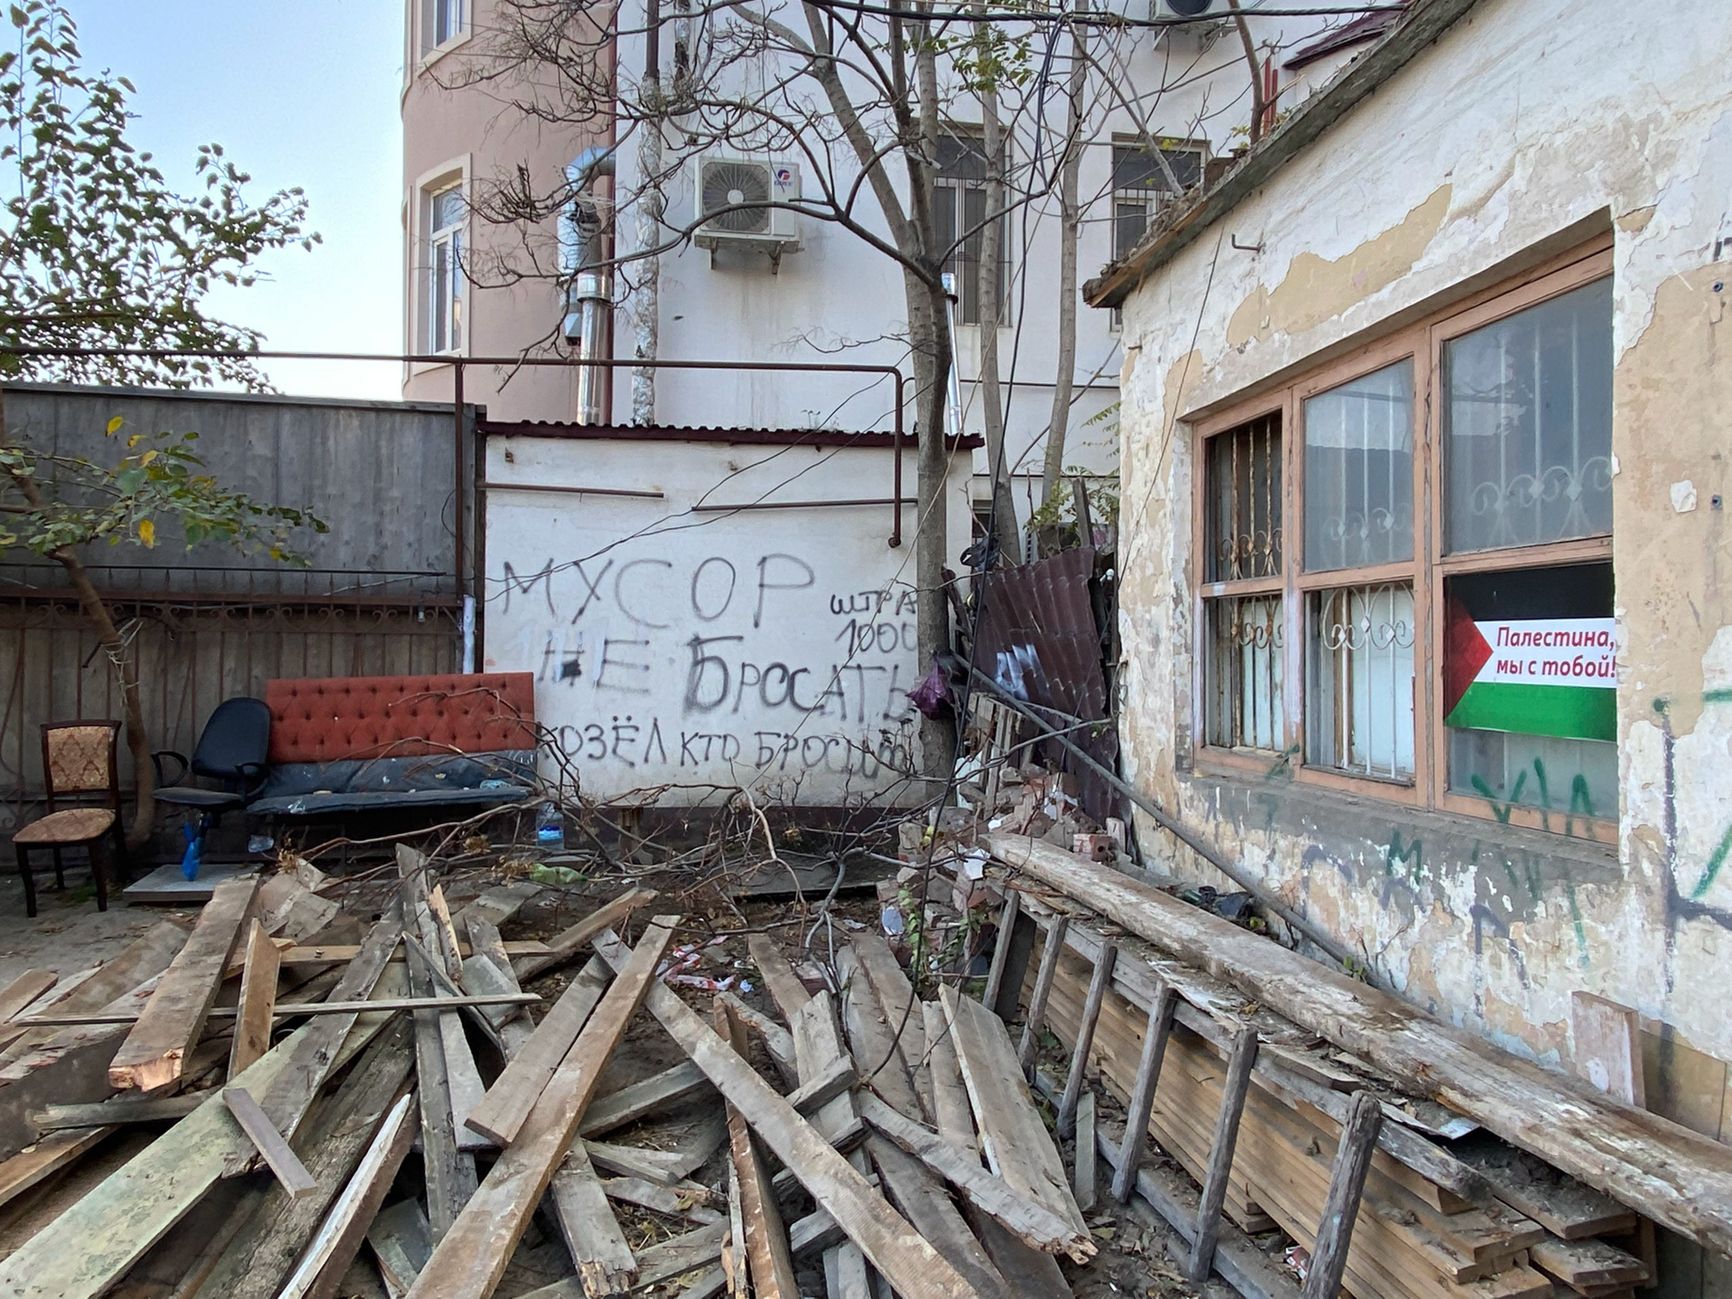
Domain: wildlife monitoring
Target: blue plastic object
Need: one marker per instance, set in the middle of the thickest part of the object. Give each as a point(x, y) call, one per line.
point(192, 859)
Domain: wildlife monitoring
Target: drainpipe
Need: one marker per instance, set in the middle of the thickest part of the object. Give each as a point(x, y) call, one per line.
point(584, 256)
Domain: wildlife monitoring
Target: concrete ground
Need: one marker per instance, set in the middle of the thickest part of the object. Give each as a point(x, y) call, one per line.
point(68, 933)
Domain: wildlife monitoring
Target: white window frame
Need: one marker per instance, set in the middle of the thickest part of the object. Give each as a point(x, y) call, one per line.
point(431, 13)
point(420, 305)
point(953, 191)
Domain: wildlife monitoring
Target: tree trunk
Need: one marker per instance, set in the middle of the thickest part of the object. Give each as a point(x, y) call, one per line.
point(646, 306)
point(1070, 214)
point(929, 340)
point(991, 311)
point(125, 668)
point(932, 350)
point(120, 660)
point(1250, 48)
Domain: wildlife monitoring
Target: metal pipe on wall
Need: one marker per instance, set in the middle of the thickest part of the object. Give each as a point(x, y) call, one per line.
point(584, 256)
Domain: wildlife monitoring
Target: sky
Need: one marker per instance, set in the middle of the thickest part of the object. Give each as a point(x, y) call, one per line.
point(298, 92)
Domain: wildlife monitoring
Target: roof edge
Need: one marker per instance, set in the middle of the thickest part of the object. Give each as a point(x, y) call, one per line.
point(1424, 23)
point(865, 441)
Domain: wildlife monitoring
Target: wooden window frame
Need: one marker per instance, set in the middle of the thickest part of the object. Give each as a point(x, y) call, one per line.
point(1423, 342)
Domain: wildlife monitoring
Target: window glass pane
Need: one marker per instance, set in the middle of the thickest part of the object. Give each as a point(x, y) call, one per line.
point(447, 20)
point(1359, 705)
point(973, 213)
point(1244, 501)
point(1359, 471)
point(1245, 676)
point(448, 208)
point(1529, 689)
point(439, 297)
point(1136, 167)
point(1130, 220)
point(961, 157)
point(1527, 418)
point(456, 326)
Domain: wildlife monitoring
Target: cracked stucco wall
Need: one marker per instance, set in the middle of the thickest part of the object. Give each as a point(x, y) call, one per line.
point(1520, 134)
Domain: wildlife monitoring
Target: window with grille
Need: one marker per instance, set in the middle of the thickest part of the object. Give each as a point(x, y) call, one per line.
point(959, 222)
point(1244, 669)
point(1439, 626)
point(1141, 186)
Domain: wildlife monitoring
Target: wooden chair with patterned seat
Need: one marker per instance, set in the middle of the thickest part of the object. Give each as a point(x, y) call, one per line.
point(79, 759)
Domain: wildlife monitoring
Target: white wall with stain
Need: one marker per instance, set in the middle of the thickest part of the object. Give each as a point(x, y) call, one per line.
point(1525, 129)
point(678, 643)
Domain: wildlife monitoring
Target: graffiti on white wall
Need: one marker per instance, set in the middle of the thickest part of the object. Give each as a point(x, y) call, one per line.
point(662, 661)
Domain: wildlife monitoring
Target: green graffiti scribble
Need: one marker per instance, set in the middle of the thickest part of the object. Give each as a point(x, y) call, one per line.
point(1581, 803)
point(1723, 849)
point(1501, 810)
point(1411, 852)
point(1716, 860)
point(1545, 795)
point(1581, 930)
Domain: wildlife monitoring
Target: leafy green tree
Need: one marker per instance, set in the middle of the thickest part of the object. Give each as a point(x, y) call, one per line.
point(102, 262)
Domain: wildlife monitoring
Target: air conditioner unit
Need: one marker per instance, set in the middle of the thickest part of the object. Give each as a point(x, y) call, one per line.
point(1191, 10)
point(727, 189)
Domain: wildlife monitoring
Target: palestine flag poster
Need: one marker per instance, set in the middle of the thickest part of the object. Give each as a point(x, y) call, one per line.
point(1531, 676)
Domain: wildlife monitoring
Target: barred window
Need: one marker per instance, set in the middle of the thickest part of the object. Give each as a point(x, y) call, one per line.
point(1244, 668)
point(1440, 630)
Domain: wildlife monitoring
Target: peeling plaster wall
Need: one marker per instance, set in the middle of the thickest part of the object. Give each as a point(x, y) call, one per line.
point(1527, 128)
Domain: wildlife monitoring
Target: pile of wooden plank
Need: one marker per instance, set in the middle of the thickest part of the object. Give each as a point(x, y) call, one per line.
point(228, 1105)
point(1438, 1212)
point(282, 1100)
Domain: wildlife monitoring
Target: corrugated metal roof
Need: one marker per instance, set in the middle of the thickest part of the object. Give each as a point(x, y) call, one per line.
point(1038, 638)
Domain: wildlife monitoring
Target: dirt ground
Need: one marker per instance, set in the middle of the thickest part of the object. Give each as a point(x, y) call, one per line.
point(68, 933)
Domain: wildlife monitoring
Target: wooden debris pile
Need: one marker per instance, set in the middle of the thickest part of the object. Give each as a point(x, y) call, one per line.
point(1235, 1120)
point(283, 1101)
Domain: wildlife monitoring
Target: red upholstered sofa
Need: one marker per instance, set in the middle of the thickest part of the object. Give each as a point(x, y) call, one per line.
point(353, 744)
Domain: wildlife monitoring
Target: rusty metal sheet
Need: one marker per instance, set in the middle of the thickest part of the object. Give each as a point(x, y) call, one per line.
point(1039, 638)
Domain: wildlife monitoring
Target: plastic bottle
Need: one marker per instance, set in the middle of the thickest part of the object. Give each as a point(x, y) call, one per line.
point(550, 828)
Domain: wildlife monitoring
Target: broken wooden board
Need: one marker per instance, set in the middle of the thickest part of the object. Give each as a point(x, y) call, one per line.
point(470, 1259)
point(766, 1238)
point(86, 1249)
point(508, 1103)
point(639, 1100)
point(910, 1264)
point(120, 1110)
point(1030, 1220)
point(23, 990)
point(1017, 1145)
point(687, 1200)
point(169, 1026)
point(260, 1258)
point(402, 1242)
point(779, 979)
point(291, 1173)
point(598, 1247)
point(917, 1193)
point(258, 999)
point(339, 1237)
point(286, 1099)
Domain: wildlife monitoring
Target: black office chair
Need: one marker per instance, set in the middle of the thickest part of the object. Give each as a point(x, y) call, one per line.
point(228, 769)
